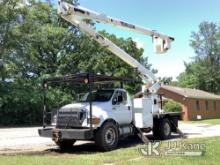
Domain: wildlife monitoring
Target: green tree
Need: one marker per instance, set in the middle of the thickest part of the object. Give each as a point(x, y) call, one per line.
point(35, 44)
point(167, 80)
point(8, 18)
point(204, 71)
point(31, 41)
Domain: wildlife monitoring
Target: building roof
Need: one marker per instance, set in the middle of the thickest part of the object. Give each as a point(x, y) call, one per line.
point(191, 93)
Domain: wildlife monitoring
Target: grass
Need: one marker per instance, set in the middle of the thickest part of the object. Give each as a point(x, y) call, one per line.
point(126, 156)
point(207, 121)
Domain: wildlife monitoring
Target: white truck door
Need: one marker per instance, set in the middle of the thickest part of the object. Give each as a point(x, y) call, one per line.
point(120, 108)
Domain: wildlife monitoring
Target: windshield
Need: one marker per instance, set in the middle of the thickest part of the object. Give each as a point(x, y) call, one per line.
point(99, 96)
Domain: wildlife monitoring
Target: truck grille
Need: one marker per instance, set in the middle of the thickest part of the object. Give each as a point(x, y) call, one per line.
point(70, 119)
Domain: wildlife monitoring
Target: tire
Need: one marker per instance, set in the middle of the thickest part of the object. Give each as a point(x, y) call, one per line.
point(165, 129)
point(106, 137)
point(65, 144)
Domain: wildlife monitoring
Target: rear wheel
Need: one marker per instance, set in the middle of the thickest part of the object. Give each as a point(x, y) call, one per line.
point(65, 144)
point(106, 138)
point(162, 129)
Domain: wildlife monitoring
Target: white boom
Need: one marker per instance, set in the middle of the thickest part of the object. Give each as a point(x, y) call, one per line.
point(76, 14)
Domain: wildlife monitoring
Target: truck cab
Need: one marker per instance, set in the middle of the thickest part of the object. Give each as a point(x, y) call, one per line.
point(107, 104)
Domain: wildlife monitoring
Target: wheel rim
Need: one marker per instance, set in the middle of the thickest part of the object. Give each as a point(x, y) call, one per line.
point(110, 136)
point(167, 129)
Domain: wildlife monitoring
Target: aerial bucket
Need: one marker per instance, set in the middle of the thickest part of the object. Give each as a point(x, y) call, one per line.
point(161, 45)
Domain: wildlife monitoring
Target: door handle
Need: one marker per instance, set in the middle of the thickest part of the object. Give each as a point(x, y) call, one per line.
point(129, 108)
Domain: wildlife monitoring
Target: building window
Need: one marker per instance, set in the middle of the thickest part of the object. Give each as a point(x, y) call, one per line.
point(206, 105)
point(214, 105)
point(197, 105)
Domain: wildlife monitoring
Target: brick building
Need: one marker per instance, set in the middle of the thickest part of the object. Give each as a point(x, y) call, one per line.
point(195, 103)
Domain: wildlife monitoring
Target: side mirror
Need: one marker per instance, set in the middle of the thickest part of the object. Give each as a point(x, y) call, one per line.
point(114, 101)
point(120, 99)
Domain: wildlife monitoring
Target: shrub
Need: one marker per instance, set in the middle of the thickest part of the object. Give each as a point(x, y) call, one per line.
point(172, 106)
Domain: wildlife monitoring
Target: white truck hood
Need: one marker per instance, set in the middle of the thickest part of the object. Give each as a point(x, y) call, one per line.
point(96, 107)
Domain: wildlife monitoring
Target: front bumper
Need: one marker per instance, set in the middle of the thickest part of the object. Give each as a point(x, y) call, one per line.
point(66, 134)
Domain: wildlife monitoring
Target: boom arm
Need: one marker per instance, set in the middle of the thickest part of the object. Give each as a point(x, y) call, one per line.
point(76, 14)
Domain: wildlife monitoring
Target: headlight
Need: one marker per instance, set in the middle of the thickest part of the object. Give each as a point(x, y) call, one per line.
point(95, 120)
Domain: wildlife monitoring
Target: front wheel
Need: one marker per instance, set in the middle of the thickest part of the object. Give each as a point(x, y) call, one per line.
point(106, 138)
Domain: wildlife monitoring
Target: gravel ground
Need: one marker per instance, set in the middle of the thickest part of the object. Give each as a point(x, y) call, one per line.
point(22, 140)
point(199, 130)
point(26, 140)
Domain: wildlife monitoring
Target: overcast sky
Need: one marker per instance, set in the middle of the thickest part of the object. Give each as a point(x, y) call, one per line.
point(172, 17)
